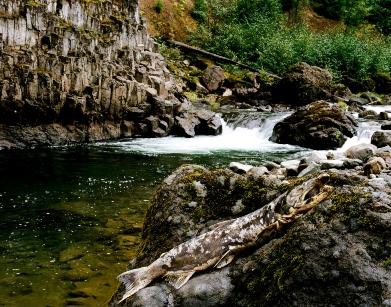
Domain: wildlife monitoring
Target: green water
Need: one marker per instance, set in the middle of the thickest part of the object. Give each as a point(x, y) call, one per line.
point(70, 219)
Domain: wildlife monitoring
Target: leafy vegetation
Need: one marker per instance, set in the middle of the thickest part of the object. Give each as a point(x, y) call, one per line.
point(159, 6)
point(259, 32)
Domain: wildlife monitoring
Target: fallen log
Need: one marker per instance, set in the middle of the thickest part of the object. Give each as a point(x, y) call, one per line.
point(219, 57)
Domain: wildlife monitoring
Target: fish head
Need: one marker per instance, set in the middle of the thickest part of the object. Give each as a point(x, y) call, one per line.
point(309, 194)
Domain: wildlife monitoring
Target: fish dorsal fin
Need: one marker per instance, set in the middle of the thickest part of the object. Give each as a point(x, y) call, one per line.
point(178, 279)
point(224, 260)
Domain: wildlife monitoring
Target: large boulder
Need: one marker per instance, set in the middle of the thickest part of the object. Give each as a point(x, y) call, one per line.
point(320, 125)
point(198, 122)
point(335, 255)
point(303, 84)
point(213, 78)
point(381, 138)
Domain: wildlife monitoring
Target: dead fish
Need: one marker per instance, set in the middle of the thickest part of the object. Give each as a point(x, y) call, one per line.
point(218, 247)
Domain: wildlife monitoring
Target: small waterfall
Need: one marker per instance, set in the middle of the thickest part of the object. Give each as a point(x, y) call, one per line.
point(243, 132)
point(365, 131)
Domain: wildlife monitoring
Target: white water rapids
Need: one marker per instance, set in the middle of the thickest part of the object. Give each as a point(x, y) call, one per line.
point(237, 138)
point(244, 134)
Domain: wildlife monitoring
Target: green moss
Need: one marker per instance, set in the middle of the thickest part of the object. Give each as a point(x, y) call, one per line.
point(387, 263)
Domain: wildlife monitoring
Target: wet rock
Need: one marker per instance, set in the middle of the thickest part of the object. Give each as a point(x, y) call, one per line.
point(303, 84)
point(316, 157)
point(375, 165)
point(257, 171)
point(239, 167)
point(312, 168)
point(369, 114)
point(358, 101)
point(320, 125)
point(384, 116)
point(291, 166)
point(336, 253)
point(328, 164)
point(381, 138)
point(210, 123)
point(155, 296)
point(186, 126)
point(213, 78)
point(361, 151)
point(386, 126)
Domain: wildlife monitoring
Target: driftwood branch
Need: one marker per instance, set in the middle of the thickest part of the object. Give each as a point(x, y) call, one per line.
point(218, 57)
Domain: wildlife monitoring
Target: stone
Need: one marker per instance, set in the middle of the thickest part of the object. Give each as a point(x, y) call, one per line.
point(386, 126)
point(103, 87)
point(210, 123)
point(383, 83)
point(303, 84)
point(352, 163)
point(328, 164)
point(213, 78)
point(316, 157)
point(186, 126)
point(239, 167)
point(358, 101)
point(384, 116)
point(155, 296)
point(257, 171)
point(312, 168)
point(319, 125)
point(369, 114)
point(291, 166)
point(375, 165)
point(361, 151)
point(381, 138)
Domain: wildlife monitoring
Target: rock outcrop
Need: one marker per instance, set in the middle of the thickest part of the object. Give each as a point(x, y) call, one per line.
point(79, 71)
point(338, 254)
point(319, 125)
point(303, 84)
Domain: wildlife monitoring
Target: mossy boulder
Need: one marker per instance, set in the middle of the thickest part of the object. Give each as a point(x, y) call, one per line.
point(319, 125)
point(337, 254)
point(303, 84)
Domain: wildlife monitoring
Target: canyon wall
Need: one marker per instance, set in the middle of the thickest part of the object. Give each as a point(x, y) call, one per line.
point(80, 71)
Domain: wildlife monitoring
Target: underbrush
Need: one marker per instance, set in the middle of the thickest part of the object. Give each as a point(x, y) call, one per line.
point(257, 33)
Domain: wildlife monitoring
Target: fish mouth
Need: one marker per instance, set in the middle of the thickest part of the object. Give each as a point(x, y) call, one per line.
point(306, 196)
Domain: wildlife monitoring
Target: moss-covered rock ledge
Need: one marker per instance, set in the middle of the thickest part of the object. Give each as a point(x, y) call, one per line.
point(338, 254)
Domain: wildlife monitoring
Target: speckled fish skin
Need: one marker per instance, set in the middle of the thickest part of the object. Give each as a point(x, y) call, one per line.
point(218, 247)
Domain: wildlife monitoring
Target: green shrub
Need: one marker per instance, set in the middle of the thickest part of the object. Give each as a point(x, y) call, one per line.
point(200, 10)
point(259, 36)
point(159, 6)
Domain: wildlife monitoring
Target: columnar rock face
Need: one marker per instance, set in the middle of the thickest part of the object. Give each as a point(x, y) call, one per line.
point(80, 70)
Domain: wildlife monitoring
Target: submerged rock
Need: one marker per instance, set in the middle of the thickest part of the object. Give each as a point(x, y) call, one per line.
point(320, 125)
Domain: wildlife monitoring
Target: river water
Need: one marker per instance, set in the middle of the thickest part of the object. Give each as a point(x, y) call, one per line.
point(70, 218)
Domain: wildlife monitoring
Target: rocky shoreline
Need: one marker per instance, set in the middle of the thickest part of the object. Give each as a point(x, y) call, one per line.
point(338, 253)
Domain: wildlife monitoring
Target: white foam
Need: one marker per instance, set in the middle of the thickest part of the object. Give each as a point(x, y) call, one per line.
point(232, 139)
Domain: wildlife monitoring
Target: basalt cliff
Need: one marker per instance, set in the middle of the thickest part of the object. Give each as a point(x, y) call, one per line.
point(84, 70)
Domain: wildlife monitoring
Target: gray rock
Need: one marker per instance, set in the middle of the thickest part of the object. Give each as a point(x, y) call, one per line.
point(361, 151)
point(155, 296)
point(375, 165)
point(352, 163)
point(319, 125)
point(303, 84)
point(257, 171)
point(186, 126)
point(207, 290)
point(316, 157)
point(213, 78)
point(327, 164)
point(310, 169)
point(381, 138)
point(239, 167)
point(386, 126)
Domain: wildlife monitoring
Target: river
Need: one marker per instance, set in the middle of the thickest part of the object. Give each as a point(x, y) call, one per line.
point(70, 218)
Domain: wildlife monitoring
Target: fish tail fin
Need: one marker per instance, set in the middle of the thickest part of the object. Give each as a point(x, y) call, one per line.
point(134, 280)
